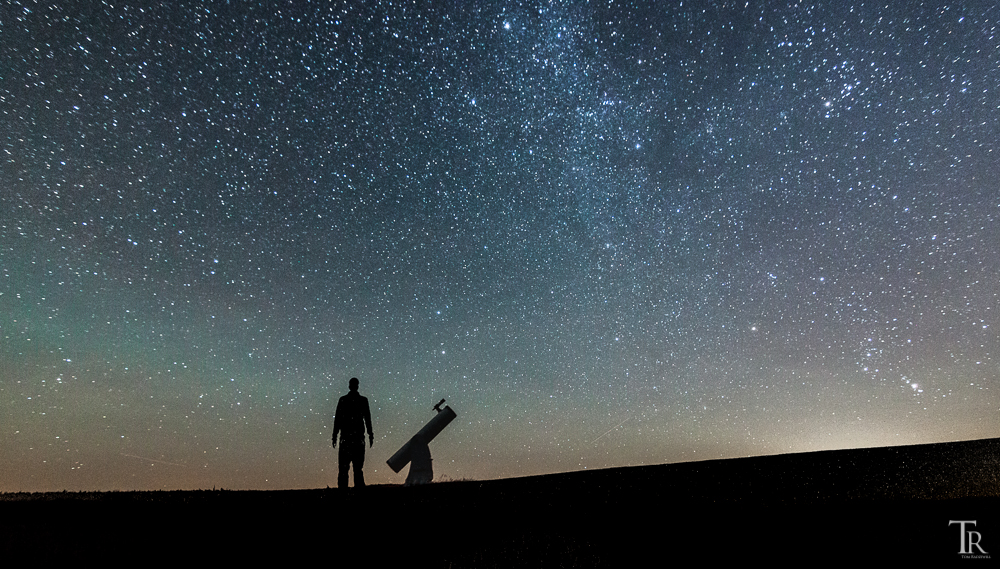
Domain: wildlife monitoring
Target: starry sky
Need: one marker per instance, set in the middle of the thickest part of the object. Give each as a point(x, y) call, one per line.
point(608, 233)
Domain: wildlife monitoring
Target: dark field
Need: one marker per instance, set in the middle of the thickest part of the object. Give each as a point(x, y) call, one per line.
point(889, 504)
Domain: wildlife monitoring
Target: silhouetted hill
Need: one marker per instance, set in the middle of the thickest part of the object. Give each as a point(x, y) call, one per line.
point(891, 503)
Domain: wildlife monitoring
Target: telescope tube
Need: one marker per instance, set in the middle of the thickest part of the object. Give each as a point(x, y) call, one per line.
point(426, 435)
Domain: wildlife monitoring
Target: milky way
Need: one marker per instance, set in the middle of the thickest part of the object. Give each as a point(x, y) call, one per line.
point(608, 234)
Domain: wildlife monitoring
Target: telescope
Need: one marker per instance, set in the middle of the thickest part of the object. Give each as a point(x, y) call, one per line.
point(416, 452)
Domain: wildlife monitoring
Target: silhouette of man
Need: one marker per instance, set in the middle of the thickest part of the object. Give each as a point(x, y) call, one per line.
point(352, 419)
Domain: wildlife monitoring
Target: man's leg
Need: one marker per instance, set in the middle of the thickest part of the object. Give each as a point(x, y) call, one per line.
point(359, 464)
point(344, 460)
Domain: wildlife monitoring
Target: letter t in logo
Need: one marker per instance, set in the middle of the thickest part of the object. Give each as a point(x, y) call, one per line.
point(961, 549)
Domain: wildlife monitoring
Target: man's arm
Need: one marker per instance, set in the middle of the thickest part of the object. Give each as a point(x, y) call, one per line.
point(336, 424)
point(368, 425)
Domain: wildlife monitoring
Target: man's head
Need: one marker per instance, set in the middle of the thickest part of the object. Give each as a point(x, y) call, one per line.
point(353, 384)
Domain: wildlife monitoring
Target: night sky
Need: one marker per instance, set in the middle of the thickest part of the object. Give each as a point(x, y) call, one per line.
point(608, 233)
